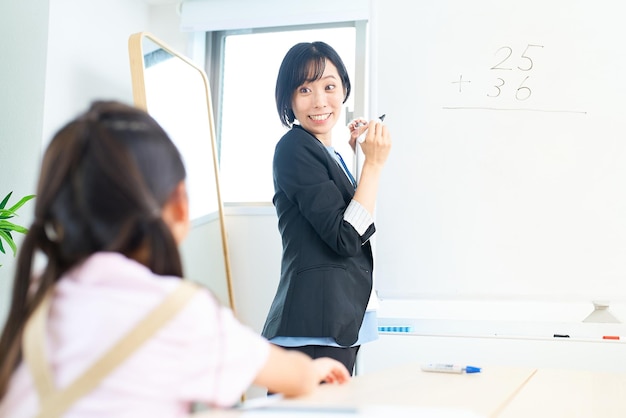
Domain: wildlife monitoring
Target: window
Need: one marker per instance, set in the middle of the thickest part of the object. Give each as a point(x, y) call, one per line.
point(247, 125)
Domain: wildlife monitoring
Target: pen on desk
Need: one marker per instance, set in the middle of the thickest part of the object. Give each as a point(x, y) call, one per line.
point(449, 368)
point(561, 336)
point(610, 337)
point(359, 124)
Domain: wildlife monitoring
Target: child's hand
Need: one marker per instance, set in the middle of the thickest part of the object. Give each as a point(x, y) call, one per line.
point(331, 371)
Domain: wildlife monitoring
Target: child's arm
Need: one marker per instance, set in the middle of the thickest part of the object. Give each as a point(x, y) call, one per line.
point(293, 373)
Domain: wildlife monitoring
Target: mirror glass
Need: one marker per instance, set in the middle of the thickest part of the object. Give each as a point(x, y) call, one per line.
point(175, 92)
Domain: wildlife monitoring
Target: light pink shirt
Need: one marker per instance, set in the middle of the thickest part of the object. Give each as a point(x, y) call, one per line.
point(203, 354)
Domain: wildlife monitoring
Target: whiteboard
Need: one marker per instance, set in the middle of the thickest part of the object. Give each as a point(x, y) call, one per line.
point(507, 176)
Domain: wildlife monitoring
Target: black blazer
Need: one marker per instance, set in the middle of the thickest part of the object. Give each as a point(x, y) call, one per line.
point(326, 269)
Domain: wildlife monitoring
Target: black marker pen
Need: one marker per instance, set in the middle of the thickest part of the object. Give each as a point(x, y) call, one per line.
point(380, 118)
point(359, 124)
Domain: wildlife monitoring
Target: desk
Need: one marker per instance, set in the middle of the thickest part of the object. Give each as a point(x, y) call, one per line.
point(481, 394)
point(571, 394)
point(497, 392)
point(484, 393)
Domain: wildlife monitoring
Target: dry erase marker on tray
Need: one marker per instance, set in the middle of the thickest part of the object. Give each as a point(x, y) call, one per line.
point(449, 368)
point(359, 124)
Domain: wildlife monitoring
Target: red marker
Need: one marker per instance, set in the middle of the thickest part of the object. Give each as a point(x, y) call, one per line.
point(610, 337)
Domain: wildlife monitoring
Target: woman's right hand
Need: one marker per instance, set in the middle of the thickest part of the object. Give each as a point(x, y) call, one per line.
point(377, 143)
point(375, 147)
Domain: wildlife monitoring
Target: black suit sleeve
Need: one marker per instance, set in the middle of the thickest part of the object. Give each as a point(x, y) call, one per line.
point(311, 180)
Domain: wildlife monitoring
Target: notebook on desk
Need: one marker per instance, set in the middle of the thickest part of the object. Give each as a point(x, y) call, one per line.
point(271, 407)
point(372, 411)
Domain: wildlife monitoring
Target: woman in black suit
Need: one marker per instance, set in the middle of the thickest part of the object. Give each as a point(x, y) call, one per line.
point(325, 219)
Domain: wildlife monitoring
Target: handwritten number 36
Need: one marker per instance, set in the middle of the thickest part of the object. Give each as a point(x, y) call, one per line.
point(522, 93)
point(526, 64)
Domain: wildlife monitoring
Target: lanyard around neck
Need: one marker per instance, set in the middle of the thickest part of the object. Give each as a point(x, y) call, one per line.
point(345, 169)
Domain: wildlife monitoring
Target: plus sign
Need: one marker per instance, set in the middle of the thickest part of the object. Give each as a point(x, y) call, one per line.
point(460, 82)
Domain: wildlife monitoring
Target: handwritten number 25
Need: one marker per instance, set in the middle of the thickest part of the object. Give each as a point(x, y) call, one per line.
point(526, 64)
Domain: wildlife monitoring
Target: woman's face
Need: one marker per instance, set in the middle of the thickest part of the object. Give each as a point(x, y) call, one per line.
point(317, 104)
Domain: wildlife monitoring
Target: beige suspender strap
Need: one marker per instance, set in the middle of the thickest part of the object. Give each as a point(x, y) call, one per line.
point(55, 402)
point(32, 349)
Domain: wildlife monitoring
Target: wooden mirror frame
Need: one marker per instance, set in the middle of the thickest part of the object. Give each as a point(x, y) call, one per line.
point(138, 78)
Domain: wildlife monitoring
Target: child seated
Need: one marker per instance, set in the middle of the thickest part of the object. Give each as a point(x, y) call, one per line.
point(110, 210)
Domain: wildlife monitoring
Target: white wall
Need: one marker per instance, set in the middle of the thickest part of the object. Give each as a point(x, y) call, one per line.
point(255, 249)
point(72, 54)
point(88, 55)
point(202, 256)
point(22, 79)
point(63, 55)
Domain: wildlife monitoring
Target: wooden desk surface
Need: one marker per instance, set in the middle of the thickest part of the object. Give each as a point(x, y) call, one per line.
point(484, 394)
point(571, 394)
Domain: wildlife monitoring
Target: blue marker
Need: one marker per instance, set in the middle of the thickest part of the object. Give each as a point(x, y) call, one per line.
point(449, 368)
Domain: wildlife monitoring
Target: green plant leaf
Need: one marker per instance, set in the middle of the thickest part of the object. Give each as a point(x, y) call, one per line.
point(21, 202)
point(12, 211)
point(9, 226)
point(5, 200)
point(6, 214)
point(6, 227)
point(9, 240)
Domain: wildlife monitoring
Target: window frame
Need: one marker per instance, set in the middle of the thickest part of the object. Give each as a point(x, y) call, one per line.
point(215, 42)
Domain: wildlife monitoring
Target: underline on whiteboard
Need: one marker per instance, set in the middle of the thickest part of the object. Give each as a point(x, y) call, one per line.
point(513, 109)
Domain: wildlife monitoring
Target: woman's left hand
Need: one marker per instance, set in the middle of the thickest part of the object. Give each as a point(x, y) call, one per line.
point(356, 127)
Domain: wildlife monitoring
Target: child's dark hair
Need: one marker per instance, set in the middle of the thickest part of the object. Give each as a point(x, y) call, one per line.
point(305, 62)
point(104, 179)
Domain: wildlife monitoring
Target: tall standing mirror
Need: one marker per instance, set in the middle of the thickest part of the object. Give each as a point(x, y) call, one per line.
point(175, 92)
